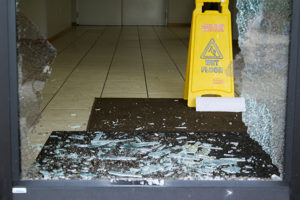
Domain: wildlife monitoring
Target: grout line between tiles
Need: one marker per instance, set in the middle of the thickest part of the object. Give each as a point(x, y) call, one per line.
point(66, 79)
point(181, 40)
point(75, 40)
point(161, 42)
point(111, 62)
point(143, 62)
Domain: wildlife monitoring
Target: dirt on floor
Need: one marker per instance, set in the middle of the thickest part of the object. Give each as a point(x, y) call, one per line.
point(164, 115)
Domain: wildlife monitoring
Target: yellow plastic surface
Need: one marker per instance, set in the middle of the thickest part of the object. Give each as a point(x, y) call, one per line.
point(210, 60)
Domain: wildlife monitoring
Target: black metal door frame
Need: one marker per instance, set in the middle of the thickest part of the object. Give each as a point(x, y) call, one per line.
point(46, 190)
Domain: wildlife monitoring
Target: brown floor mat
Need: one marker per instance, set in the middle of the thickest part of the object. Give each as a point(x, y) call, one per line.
point(164, 115)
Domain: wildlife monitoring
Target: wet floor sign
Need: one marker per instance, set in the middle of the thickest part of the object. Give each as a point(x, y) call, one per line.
point(210, 68)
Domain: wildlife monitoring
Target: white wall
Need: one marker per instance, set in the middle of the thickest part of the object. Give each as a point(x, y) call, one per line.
point(36, 11)
point(103, 12)
point(74, 11)
point(181, 11)
point(122, 12)
point(51, 16)
point(144, 12)
point(54, 16)
point(99, 12)
point(59, 16)
point(234, 11)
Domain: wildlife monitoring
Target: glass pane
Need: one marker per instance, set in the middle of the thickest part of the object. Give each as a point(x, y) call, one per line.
point(106, 102)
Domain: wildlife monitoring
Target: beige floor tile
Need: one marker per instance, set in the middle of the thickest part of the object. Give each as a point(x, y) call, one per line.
point(66, 114)
point(128, 58)
point(66, 66)
point(92, 75)
point(166, 72)
point(127, 66)
point(101, 61)
point(124, 62)
point(87, 92)
point(162, 77)
point(151, 44)
point(125, 87)
point(182, 69)
point(164, 33)
point(52, 87)
point(86, 89)
point(174, 94)
point(97, 57)
point(80, 47)
point(155, 55)
point(72, 53)
point(181, 61)
point(88, 77)
point(39, 137)
point(126, 76)
point(165, 86)
point(73, 101)
point(61, 69)
point(126, 52)
point(45, 100)
point(102, 52)
point(82, 69)
point(82, 84)
point(154, 67)
point(124, 95)
point(133, 70)
point(48, 126)
point(153, 61)
point(66, 61)
point(59, 74)
point(99, 67)
point(61, 43)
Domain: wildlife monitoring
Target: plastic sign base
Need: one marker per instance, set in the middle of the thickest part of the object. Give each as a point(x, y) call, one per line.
point(220, 104)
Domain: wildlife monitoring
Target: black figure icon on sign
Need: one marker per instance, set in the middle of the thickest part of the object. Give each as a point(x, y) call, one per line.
point(212, 51)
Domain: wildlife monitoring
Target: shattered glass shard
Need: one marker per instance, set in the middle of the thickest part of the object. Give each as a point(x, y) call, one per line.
point(117, 158)
point(124, 174)
point(232, 170)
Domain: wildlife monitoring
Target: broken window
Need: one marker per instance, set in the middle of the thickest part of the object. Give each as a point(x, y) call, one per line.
point(112, 106)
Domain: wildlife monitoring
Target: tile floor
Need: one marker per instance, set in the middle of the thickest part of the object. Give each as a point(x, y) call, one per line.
point(131, 62)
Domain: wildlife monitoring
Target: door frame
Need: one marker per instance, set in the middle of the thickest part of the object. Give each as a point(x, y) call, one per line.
point(49, 190)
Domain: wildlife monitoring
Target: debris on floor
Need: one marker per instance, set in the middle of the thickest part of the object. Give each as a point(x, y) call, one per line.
point(161, 156)
point(164, 115)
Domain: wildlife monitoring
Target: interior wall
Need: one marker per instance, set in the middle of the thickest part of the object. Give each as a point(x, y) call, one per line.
point(36, 11)
point(234, 11)
point(74, 11)
point(51, 16)
point(58, 16)
point(180, 11)
point(100, 12)
point(54, 16)
point(144, 12)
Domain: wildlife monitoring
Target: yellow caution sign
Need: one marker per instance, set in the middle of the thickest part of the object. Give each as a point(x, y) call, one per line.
point(210, 60)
